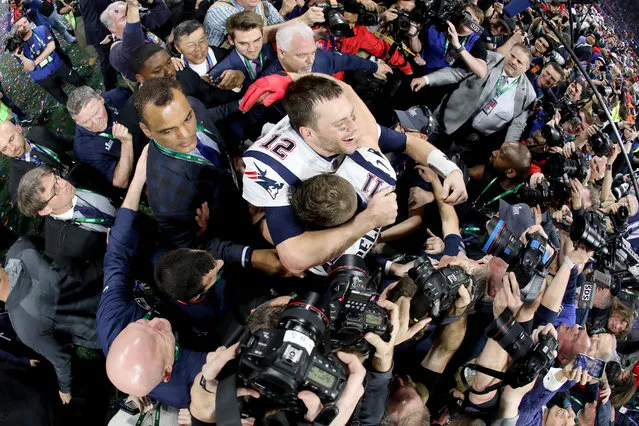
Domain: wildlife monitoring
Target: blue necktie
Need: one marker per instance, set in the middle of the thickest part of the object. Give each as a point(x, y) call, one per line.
point(94, 213)
point(209, 153)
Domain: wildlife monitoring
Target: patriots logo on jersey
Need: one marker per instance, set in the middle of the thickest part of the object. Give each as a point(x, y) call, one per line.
point(270, 185)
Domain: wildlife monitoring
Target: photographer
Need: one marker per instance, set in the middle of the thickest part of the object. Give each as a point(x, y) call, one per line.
point(38, 56)
point(459, 46)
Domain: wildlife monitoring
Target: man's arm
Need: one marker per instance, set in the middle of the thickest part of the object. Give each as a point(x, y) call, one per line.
point(132, 38)
point(348, 62)
point(158, 14)
point(314, 15)
point(517, 126)
point(125, 164)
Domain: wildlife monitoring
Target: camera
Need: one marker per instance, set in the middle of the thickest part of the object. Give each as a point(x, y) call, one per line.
point(368, 18)
point(621, 190)
point(334, 18)
point(353, 308)
point(281, 362)
point(554, 135)
point(590, 229)
point(547, 193)
point(436, 288)
point(557, 166)
point(529, 360)
point(528, 262)
point(619, 219)
point(600, 144)
point(14, 44)
point(568, 110)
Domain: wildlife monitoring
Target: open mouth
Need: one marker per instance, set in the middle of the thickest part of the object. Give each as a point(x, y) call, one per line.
point(350, 139)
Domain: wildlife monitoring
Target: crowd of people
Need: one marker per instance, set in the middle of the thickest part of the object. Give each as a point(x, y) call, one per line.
point(288, 212)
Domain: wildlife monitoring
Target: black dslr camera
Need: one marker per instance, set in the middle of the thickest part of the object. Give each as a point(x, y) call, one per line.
point(334, 19)
point(600, 144)
point(529, 360)
point(353, 308)
point(590, 229)
point(14, 44)
point(281, 362)
point(554, 135)
point(528, 262)
point(436, 288)
point(557, 166)
point(568, 109)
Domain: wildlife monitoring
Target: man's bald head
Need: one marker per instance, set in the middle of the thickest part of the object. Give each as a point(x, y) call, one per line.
point(141, 357)
point(12, 142)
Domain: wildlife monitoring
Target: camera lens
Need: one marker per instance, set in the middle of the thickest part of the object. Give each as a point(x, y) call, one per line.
point(599, 144)
point(337, 24)
point(304, 314)
point(586, 232)
point(501, 242)
point(348, 269)
point(510, 335)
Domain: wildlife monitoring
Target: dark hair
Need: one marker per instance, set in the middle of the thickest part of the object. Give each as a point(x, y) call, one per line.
point(264, 317)
point(557, 68)
point(324, 200)
point(518, 157)
point(157, 92)
point(142, 54)
point(245, 20)
point(185, 29)
point(303, 95)
point(626, 314)
point(179, 273)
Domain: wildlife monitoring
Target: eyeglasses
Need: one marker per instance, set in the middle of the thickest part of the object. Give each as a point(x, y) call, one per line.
point(56, 187)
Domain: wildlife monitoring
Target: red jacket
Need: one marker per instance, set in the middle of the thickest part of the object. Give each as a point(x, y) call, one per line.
point(367, 41)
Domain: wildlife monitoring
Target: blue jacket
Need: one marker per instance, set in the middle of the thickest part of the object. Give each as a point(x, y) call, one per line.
point(101, 152)
point(176, 188)
point(234, 61)
point(531, 407)
point(118, 308)
point(331, 63)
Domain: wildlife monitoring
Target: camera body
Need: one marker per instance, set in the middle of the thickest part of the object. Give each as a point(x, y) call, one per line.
point(436, 288)
point(353, 308)
point(14, 44)
point(528, 262)
point(535, 363)
point(600, 144)
point(558, 167)
point(281, 362)
point(568, 110)
point(554, 135)
point(334, 19)
point(367, 17)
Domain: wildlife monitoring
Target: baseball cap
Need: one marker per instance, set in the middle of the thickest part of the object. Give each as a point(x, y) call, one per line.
point(417, 119)
point(517, 217)
point(508, 22)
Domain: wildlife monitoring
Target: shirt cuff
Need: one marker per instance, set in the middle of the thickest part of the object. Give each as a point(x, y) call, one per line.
point(426, 80)
point(551, 383)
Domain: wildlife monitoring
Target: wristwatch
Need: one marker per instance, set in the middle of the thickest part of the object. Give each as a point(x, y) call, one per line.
point(608, 166)
point(326, 416)
point(460, 49)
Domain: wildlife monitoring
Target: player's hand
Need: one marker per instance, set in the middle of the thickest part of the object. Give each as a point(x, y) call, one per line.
point(417, 84)
point(454, 188)
point(267, 90)
point(382, 209)
point(231, 79)
point(267, 261)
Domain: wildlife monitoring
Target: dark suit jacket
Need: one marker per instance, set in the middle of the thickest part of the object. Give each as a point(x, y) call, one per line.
point(235, 62)
point(331, 63)
point(94, 31)
point(41, 136)
point(176, 188)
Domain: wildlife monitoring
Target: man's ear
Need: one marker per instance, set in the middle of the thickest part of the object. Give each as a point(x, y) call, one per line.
point(139, 79)
point(230, 39)
point(511, 173)
point(45, 211)
point(166, 374)
point(306, 132)
point(145, 130)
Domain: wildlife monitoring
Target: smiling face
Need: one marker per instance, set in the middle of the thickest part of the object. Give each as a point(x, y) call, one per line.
point(335, 130)
point(93, 116)
point(12, 142)
point(248, 43)
point(574, 91)
point(194, 46)
point(117, 14)
point(173, 126)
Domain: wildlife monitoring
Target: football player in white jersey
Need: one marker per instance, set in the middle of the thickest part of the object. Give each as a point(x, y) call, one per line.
point(326, 120)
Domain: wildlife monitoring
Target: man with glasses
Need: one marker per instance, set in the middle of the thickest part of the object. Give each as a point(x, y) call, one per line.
point(76, 220)
point(100, 140)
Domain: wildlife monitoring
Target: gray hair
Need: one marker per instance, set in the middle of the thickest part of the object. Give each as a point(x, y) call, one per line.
point(79, 98)
point(105, 16)
point(286, 34)
point(30, 189)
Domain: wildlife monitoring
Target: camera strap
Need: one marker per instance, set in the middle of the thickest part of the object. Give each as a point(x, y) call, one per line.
point(489, 371)
point(226, 397)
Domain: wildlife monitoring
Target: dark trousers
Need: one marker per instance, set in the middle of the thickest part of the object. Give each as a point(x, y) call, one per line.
point(9, 102)
point(109, 74)
point(53, 83)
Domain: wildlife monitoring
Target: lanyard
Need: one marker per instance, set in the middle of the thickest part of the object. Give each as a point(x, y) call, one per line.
point(447, 43)
point(183, 156)
point(156, 422)
point(95, 220)
point(249, 65)
point(47, 151)
point(209, 62)
point(107, 135)
point(503, 194)
point(498, 92)
point(40, 43)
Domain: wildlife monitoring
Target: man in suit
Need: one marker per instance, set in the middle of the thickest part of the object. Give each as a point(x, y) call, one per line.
point(190, 41)
point(250, 55)
point(76, 220)
point(481, 107)
point(100, 140)
point(39, 147)
point(188, 165)
point(95, 33)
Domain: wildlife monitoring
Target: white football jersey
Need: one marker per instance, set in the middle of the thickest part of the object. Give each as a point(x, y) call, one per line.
point(369, 171)
point(278, 160)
